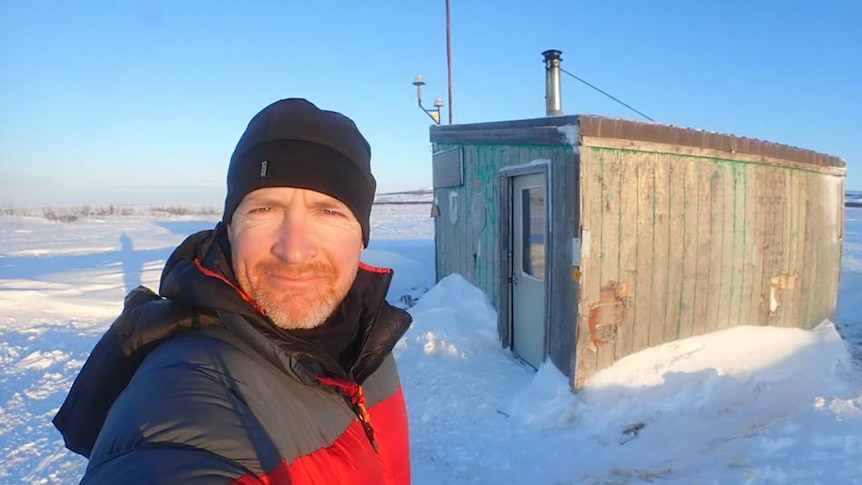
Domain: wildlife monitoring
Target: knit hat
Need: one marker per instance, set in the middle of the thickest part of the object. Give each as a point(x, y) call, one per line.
point(293, 143)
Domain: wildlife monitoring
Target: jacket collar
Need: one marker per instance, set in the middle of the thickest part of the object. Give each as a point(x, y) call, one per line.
point(199, 275)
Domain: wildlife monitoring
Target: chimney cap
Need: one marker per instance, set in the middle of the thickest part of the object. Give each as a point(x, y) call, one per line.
point(551, 54)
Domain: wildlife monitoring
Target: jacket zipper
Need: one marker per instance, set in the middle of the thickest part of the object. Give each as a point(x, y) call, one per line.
point(354, 395)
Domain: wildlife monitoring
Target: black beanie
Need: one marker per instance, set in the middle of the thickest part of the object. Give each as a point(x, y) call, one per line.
point(293, 143)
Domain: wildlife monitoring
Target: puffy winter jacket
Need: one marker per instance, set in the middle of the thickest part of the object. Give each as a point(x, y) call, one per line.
point(197, 386)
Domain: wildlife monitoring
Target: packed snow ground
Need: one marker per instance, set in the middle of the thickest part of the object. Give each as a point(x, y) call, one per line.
point(743, 405)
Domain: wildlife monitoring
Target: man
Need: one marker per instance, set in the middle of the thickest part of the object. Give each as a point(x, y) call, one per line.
point(267, 357)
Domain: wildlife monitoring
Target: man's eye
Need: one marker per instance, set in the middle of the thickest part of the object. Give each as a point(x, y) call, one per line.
point(260, 210)
point(333, 212)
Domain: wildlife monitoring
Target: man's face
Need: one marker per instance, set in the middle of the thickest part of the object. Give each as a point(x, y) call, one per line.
point(295, 253)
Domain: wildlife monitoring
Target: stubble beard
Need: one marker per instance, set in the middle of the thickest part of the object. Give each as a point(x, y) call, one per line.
point(300, 309)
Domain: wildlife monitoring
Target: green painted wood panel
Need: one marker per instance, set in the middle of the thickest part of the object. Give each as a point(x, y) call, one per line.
point(473, 250)
point(564, 291)
point(701, 243)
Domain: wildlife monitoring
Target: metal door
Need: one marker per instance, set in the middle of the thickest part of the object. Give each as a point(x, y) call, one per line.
point(529, 243)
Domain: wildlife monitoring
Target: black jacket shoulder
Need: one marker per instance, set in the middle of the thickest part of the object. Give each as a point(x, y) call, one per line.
point(146, 320)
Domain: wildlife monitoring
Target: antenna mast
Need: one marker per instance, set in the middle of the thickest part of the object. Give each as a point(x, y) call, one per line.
point(449, 58)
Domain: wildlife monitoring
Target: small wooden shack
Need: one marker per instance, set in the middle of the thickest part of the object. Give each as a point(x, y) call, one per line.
point(596, 237)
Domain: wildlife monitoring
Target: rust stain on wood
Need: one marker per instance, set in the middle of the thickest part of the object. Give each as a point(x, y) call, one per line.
point(607, 314)
point(778, 283)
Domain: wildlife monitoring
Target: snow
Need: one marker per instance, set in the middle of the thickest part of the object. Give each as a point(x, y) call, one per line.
point(741, 405)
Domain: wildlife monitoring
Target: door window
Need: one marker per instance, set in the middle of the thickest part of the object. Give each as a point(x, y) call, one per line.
point(533, 243)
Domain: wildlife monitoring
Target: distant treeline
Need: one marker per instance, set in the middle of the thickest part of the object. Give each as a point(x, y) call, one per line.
point(72, 214)
point(401, 202)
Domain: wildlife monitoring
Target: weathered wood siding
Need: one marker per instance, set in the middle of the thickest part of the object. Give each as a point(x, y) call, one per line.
point(682, 231)
point(476, 251)
point(683, 242)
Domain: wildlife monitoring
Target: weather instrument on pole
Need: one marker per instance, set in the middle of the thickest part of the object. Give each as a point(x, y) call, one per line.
point(433, 113)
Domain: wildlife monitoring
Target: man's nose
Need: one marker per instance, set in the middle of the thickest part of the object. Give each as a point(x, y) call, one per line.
point(295, 243)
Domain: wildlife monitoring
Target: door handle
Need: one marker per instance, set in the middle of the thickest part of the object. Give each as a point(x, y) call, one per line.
point(515, 278)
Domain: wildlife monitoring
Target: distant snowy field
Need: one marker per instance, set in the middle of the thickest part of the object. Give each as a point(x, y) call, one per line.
point(743, 405)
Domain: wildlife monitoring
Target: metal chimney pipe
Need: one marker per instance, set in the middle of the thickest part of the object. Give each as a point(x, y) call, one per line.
point(553, 103)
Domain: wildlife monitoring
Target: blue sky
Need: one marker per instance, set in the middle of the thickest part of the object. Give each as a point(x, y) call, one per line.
point(143, 101)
